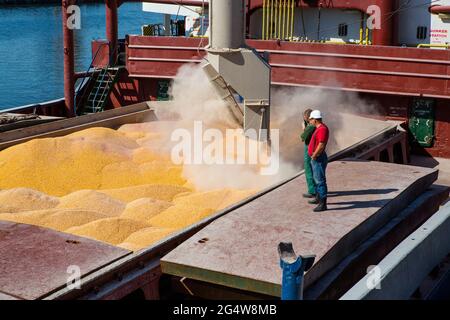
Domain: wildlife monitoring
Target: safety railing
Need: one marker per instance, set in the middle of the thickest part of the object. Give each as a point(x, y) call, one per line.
point(426, 45)
point(89, 74)
point(278, 23)
point(278, 19)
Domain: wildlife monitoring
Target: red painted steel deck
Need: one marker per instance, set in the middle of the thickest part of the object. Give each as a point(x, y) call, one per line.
point(239, 250)
point(34, 260)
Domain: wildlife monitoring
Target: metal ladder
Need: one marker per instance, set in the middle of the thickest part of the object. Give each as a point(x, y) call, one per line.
point(101, 89)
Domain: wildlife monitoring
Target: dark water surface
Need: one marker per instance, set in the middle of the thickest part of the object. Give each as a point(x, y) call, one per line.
point(31, 54)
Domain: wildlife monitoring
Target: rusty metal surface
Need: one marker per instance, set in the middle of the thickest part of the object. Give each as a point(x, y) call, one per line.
point(13, 121)
point(240, 249)
point(34, 261)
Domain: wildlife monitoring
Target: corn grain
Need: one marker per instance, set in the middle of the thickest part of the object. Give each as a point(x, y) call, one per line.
point(56, 166)
point(110, 230)
point(116, 186)
point(180, 216)
point(92, 200)
point(146, 237)
point(164, 192)
point(23, 199)
point(144, 209)
point(57, 219)
point(217, 199)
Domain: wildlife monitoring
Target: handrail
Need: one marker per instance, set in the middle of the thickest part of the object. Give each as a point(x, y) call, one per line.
point(84, 78)
point(102, 74)
point(91, 65)
point(106, 74)
point(426, 45)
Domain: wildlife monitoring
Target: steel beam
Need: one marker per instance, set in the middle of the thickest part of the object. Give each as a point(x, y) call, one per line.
point(111, 28)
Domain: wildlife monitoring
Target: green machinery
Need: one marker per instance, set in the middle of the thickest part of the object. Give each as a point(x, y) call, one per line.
point(421, 122)
point(163, 90)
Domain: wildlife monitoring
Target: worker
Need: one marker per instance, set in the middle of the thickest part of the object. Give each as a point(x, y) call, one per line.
point(319, 159)
point(308, 130)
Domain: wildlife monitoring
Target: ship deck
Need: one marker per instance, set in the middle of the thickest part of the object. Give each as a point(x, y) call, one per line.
point(37, 261)
point(239, 250)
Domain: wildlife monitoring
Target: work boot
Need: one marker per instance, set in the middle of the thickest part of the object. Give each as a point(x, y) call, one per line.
point(316, 200)
point(309, 195)
point(322, 205)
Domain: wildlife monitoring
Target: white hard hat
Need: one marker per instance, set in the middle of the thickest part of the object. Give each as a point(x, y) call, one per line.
point(316, 114)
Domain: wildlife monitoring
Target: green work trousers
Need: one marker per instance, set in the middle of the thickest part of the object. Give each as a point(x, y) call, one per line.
point(308, 172)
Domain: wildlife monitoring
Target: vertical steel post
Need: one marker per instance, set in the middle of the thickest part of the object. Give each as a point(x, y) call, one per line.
point(367, 35)
point(288, 16)
point(284, 21)
point(280, 15)
point(263, 36)
point(271, 19)
point(292, 18)
point(247, 19)
point(318, 22)
point(69, 62)
point(361, 28)
point(268, 20)
point(276, 20)
point(167, 25)
point(383, 36)
point(111, 29)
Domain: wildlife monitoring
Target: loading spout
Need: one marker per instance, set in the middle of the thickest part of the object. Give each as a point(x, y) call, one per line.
point(225, 92)
point(233, 67)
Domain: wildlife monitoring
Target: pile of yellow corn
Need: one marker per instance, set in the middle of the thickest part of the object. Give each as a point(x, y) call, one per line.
point(115, 186)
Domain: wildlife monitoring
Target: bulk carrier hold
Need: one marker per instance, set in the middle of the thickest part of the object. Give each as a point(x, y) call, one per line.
point(87, 183)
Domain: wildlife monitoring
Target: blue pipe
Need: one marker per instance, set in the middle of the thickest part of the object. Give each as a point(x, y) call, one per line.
point(292, 280)
point(293, 270)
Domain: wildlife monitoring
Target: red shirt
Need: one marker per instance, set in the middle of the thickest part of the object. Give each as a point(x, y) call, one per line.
point(320, 135)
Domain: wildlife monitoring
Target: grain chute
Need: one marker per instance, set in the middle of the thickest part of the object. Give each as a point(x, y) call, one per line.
point(234, 68)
